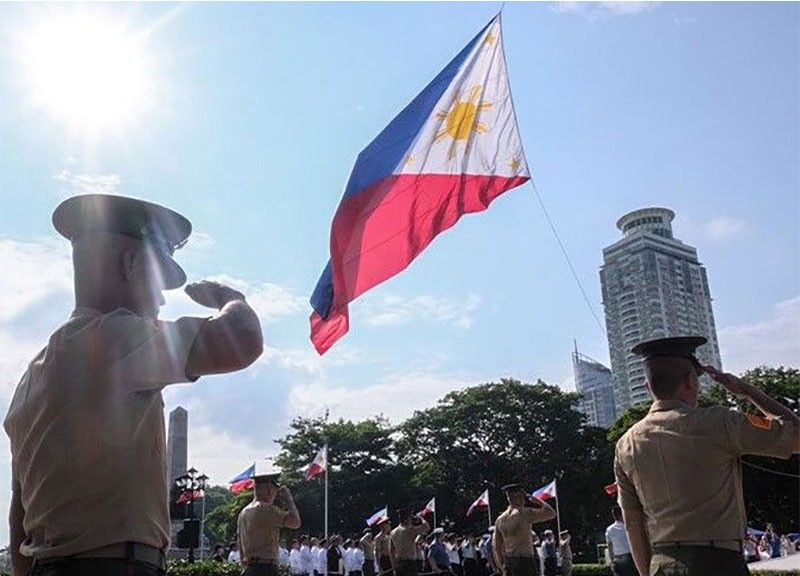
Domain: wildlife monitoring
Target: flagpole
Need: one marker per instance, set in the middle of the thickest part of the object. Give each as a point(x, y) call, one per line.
point(558, 514)
point(327, 469)
point(489, 507)
point(434, 511)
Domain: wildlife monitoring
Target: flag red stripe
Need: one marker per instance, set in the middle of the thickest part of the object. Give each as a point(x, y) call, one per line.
point(378, 233)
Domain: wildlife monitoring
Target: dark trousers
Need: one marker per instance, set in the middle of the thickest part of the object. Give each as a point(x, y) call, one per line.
point(470, 567)
point(406, 568)
point(697, 561)
point(369, 567)
point(520, 566)
point(550, 566)
point(623, 565)
point(261, 569)
point(95, 567)
point(384, 563)
point(456, 569)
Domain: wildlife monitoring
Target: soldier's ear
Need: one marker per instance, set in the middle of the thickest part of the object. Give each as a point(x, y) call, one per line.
point(128, 263)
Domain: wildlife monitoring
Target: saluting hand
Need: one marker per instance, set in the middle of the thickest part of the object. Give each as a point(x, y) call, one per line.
point(730, 382)
point(212, 294)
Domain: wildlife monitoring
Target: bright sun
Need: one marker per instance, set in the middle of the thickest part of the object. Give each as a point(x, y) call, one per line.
point(88, 70)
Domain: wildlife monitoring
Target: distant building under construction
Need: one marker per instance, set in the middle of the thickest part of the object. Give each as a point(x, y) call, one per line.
point(594, 384)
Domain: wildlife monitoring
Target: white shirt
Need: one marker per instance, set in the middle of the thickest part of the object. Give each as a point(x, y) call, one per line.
point(467, 550)
point(618, 538)
point(296, 561)
point(283, 556)
point(235, 557)
point(353, 559)
point(452, 554)
point(307, 559)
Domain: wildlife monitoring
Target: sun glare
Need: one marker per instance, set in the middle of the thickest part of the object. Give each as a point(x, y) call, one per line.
point(87, 70)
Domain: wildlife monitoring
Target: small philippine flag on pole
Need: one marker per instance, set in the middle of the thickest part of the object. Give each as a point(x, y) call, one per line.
point(452, 151)
point(379, 516)
point(481, 502)
point(546, 492)
point(319, 465)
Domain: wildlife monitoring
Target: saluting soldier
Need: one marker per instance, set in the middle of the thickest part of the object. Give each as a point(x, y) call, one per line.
point(678, 470)
point(260, 522)
point(86, 424)
point(368, 547)
point(382, 546)
point(402, 545)
point(512, 543)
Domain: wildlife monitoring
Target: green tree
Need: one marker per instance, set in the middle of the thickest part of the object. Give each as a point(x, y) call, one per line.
point(216, 497)
point(364, 474)
point(220, 523)
point(485, 436)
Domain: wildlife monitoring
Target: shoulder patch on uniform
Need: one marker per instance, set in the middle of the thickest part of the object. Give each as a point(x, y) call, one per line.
point(759, 421)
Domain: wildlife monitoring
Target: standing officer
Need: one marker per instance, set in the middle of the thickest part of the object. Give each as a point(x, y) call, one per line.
point(260, 522)
point(678, 470)
point(382, 546)
point(86, 423)
point(368, 547)
point(402, 543)
point(513, 543)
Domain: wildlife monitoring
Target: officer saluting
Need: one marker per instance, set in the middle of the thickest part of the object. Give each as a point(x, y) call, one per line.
point(86, 423)
point(402, 543)
point(513, 537)
point(382, 546)
point(260, 522)
point(678, 471)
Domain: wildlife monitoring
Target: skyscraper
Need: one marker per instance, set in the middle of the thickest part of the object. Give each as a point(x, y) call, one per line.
point(653, 287)
point(593, 383)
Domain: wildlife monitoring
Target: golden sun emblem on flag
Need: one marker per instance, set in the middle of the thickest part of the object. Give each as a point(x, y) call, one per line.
point(462, 120)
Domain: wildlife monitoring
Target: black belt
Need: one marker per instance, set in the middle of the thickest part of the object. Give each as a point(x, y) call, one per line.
point(720, 544)
point(251, 561)
point(129, 551)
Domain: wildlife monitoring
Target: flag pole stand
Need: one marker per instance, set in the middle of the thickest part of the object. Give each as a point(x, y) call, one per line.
point(327, 469)
point(558, 514)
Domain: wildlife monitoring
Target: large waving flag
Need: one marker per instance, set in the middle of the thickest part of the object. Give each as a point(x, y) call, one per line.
point(244, 481)
point(481, 502)
point(319, 465)
point(450, 152)
point(380, 516)
point(546, 492)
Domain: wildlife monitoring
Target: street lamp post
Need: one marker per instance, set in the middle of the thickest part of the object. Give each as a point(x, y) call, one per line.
point(189, 484)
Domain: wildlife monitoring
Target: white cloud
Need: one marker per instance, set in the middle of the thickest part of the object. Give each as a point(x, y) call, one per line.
point(396, 396)
point(724, 227)
point(772, 342)
point(221, 455)
point(391, 310)
point(307, 360)
point(87, 183)
point(602, 10)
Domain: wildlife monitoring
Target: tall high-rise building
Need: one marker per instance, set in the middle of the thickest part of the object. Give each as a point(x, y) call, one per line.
point(653, 287)
point(593, 383)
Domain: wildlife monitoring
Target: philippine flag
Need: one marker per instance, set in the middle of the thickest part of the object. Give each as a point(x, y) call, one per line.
point(546, 492)
point(319, 465)
point(244, 481)
point(481, 502)
point(379, 516)
point(451, 151)
point(430, 508)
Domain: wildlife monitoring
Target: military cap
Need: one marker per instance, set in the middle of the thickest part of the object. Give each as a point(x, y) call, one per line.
point(160, 227)
point(680, 347)
point(438, 531)
point(266, 471)
point(515, 487)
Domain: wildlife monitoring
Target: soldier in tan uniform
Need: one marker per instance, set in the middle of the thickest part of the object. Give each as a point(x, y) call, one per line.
point(512, 544)
point(678, 469)
point(402, 545)
point(368, 546)
point(260, 522)
point(382, 546)
point(86, 422)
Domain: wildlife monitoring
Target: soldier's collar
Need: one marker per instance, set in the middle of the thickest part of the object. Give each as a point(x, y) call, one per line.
point(84, 312)
point(671, 404)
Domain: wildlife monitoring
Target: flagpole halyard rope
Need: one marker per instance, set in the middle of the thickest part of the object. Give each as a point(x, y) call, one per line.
point(567, 258)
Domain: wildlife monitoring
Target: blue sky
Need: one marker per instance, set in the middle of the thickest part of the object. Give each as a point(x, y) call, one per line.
point(259, 110)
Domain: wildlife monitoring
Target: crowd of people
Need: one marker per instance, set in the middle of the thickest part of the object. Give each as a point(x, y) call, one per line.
point(768, 545)
point(439, 551)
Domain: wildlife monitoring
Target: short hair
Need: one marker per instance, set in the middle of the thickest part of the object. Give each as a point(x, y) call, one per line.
point(665, 374)
point(616, 512)
point(405, 515)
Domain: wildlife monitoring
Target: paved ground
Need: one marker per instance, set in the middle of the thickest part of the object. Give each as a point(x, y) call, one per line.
point(788, 563)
